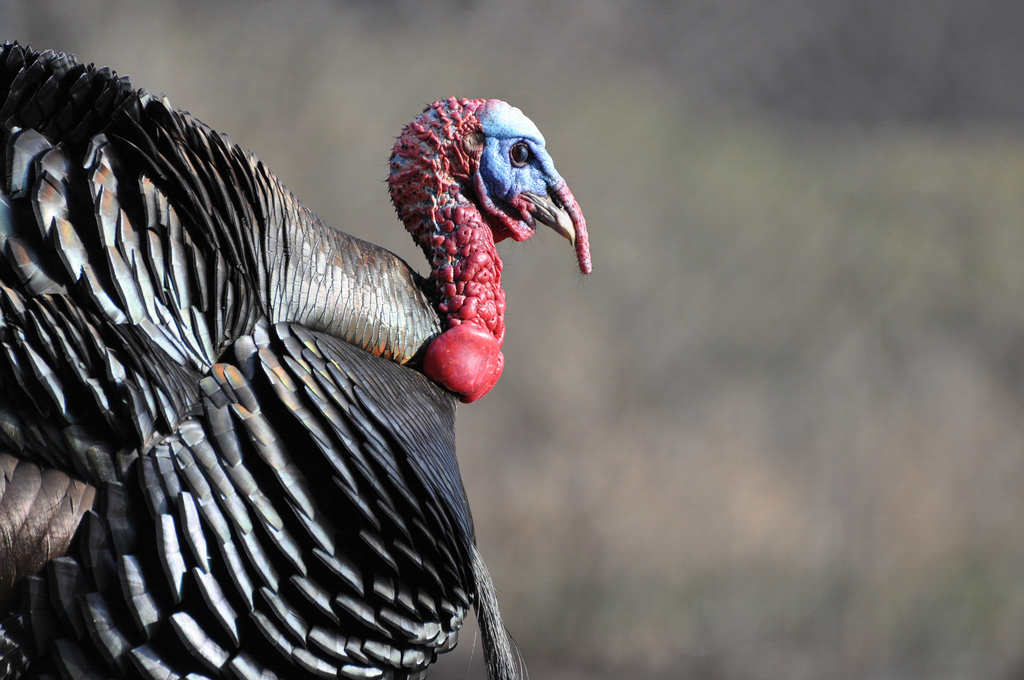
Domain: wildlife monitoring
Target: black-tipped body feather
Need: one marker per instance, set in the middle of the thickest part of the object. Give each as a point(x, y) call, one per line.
point(204, 469)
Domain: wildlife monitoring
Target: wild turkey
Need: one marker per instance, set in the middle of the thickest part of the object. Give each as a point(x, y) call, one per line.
point(218, 456)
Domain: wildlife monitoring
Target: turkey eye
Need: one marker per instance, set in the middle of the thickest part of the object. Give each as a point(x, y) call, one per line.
point(519, 154)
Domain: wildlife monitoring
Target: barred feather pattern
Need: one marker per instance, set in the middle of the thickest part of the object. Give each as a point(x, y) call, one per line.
point(191, 562)
point(212, 460)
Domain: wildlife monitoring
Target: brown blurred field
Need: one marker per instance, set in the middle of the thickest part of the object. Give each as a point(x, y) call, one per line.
point(778, 433)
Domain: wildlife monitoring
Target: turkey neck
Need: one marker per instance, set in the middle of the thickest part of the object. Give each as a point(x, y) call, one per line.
point(332, 282)
point(465, 266)
point(430, 166)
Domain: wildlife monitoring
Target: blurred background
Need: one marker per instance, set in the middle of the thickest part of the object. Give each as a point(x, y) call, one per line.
point(778, 433)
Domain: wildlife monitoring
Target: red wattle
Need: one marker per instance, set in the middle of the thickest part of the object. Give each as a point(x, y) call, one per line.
point(466, 359)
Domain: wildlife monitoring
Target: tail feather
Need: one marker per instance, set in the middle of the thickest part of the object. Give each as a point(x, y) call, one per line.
point(502, 663)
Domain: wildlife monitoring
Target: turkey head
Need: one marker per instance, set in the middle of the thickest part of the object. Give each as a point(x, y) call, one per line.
point(467, 174)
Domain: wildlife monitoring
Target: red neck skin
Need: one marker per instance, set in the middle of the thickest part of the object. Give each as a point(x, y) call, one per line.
point(429, 169)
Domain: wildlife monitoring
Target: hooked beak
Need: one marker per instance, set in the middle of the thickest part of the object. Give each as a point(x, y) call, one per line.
point(548, 210)
point(560, 211)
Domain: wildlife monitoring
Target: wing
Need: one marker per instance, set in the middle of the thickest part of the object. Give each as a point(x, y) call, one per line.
point(282, 527)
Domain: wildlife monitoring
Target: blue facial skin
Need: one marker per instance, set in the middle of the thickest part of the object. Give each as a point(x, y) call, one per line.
point(503, 127)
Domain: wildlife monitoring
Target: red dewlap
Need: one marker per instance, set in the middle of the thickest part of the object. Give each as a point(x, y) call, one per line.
point(466, 359)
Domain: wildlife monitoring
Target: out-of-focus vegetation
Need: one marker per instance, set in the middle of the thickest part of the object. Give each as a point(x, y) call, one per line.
point(779, 432)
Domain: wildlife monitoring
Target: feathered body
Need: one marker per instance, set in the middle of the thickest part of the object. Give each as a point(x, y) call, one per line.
point(216, 455)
